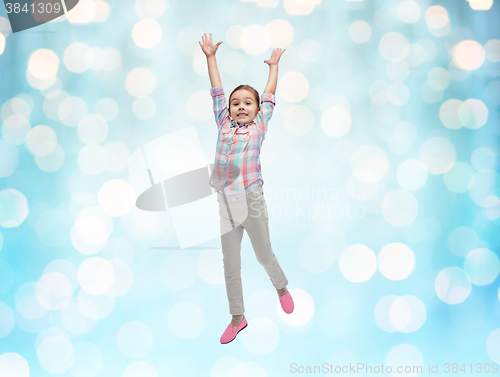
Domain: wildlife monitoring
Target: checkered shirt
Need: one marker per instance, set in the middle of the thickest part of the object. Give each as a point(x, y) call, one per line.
point(237, 156)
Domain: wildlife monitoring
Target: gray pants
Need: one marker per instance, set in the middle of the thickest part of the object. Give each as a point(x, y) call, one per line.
point(233, 212)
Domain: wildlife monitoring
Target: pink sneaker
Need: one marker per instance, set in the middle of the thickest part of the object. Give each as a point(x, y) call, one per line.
point(287, 303)
point(231, 331)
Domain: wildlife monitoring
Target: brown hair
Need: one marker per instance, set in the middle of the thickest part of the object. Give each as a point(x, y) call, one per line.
point(249, 88)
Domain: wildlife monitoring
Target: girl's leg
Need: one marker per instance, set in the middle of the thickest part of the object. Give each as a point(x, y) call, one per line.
point(231, 251)
point(231, 235)
point(257, 227)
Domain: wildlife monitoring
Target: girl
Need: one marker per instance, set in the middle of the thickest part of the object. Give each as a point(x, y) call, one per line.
point(237, 175)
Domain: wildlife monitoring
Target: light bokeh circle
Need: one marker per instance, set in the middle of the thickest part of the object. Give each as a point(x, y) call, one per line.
point(369, 163)
point(336, 121)
point(396, 261)
point(116, 197)
point(409, 11)
point(140, 82)
point(452, 285)
point(462, 240)
point(13, 208)
point(14, 365)
point(458, 177)
point(255, 39)
point(93, 129)
point(405, 354)
point(360, 32)
point(43, 64)
point(482, 266)
point(400, 313)
point(357, 263)
point(493, 345)
point(147, 33)
point(399, 208)
point(394, 46)
point(293, 86)
point(468, 55)
point(96, 275)
point(55, 354)
point(42, 140)
point(438, 154)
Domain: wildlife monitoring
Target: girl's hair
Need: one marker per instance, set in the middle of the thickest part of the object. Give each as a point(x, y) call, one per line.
point(247, 87)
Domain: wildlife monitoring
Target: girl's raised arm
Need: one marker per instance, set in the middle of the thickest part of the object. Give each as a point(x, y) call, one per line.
point(210, 49)
point(273, 71)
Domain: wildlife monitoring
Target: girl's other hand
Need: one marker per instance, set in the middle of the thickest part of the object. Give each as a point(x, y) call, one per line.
point(208, 46)
point(275, 57)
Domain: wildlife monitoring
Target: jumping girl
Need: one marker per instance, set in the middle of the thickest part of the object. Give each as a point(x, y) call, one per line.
point(238, 180)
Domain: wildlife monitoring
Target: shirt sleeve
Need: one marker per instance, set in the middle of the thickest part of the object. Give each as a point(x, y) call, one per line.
point(267, 102)
point(220, 108)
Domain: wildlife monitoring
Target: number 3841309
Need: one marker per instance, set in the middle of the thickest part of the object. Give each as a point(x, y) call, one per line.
point(39, 8)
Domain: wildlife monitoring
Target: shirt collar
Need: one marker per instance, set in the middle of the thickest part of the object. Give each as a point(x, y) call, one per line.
point(237, 125)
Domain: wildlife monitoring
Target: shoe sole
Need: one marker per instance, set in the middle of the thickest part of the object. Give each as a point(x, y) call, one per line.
point(287, 312)
point(243, 328)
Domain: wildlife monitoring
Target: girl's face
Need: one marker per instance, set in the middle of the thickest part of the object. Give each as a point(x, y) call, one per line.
point(243, 108)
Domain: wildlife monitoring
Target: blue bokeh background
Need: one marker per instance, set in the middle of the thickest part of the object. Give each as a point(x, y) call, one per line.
point(389, 107)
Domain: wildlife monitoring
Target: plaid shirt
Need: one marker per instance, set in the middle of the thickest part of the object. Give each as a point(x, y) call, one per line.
point(237, 158)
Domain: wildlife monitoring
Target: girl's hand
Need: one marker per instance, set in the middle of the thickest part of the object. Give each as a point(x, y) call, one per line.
point(275, 57)
point(208, 47)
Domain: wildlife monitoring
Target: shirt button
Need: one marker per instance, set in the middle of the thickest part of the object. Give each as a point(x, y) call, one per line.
point(234, 199)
